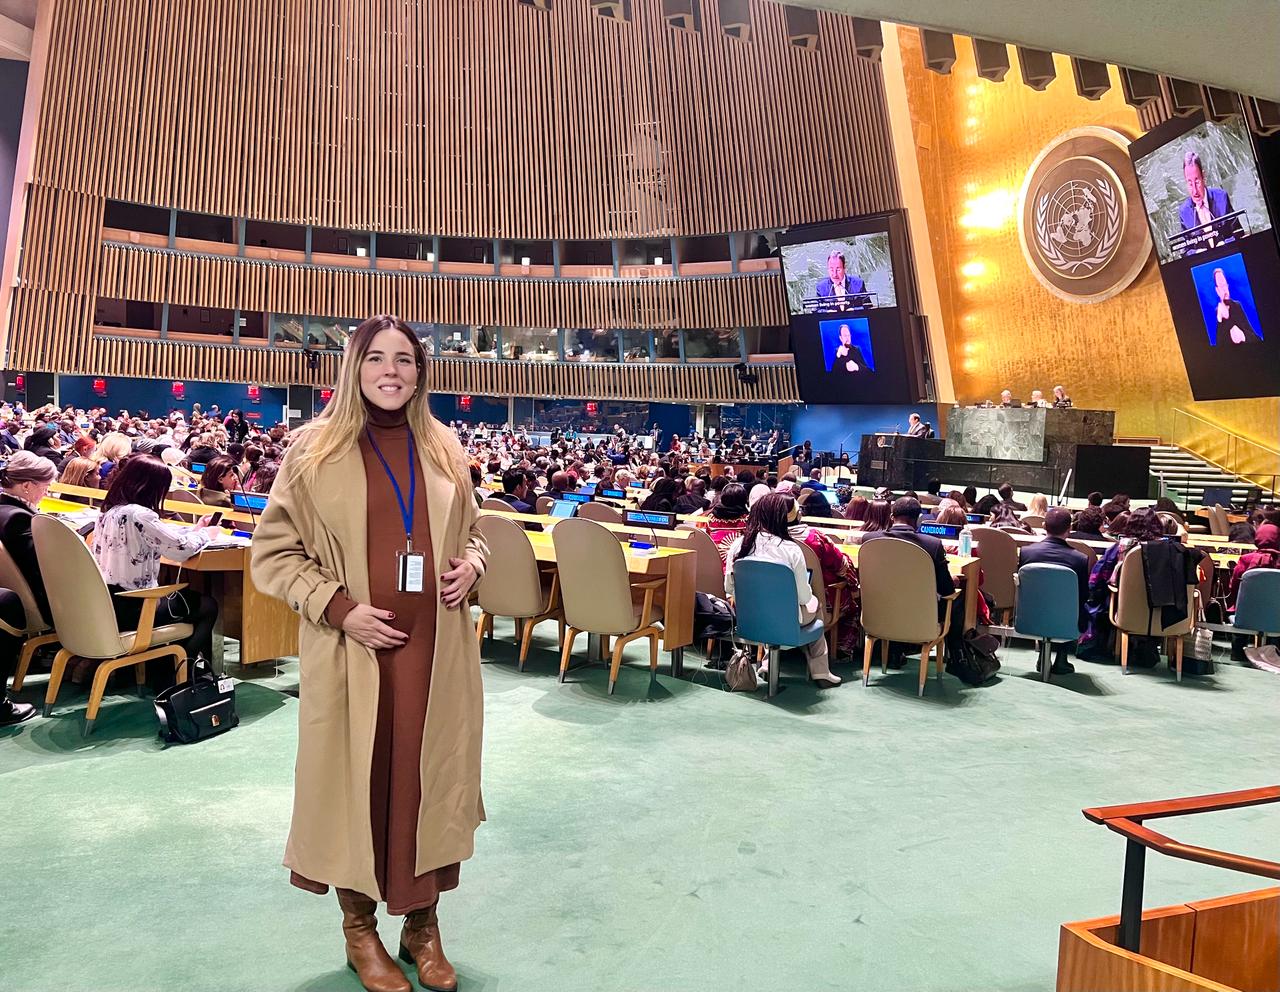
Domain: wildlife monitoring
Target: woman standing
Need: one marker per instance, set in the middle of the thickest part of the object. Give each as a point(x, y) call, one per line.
point(371, 536)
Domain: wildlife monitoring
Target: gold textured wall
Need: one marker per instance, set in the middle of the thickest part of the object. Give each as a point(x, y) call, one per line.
point(974, 142)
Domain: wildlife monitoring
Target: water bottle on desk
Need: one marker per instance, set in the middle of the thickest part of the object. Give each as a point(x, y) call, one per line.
point(966, 543)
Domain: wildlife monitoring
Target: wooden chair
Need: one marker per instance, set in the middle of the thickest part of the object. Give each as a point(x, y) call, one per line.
point(832, 599)
point(597, 591)
point(1085, 549)
point(900, 603)
point(999, 553)
point(513, 585)
point(600, 512)
point(36, 632)
point(1132, 615)
point(86, 623)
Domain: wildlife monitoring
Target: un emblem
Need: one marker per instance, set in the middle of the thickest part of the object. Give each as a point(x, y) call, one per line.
point(1080, 219)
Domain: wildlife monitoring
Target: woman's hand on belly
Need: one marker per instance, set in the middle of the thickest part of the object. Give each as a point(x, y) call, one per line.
point(369, 627)
point(457, 582)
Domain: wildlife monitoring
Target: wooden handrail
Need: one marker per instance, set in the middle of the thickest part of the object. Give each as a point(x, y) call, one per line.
point(1182, 807)
point(1127, 820)
point(1162, 844)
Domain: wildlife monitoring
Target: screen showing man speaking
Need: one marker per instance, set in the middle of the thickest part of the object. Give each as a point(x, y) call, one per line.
point(1202, 190)
point(839, 275)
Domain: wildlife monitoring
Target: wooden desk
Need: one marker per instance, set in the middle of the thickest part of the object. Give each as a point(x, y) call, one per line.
point(675, 535)
point(677, 565)
point(265, 626)
point(1235, 518)
point(968, 569)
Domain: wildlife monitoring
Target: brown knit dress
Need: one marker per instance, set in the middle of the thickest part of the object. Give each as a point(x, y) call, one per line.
point(404, 676)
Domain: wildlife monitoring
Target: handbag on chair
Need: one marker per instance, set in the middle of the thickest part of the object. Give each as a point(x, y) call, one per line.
point(202, 707)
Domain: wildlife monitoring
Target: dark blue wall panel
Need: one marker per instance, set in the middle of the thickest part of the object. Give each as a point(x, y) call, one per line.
point(155, 396)
point(831, 428)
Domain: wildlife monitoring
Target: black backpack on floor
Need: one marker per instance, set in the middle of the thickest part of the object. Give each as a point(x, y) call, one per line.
point(973, 661)
point(712, 618)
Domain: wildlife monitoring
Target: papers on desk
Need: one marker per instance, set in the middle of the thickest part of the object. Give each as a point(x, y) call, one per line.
point(78, 520)
point(229, 541)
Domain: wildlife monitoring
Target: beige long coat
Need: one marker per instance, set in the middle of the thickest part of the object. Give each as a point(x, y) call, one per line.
point(307, 544)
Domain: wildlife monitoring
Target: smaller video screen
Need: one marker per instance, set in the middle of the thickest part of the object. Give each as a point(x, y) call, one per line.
point(838, 275)
point(1226, 302)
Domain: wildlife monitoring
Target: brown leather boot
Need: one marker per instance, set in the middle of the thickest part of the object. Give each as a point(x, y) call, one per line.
point(420, 945)
point(366, 956)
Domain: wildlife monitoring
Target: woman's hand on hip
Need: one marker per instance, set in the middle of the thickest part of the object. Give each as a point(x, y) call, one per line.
point(369, 627)
point(457, 582)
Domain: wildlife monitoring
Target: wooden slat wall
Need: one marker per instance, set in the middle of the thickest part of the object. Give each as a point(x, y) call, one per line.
point(487, 118)
point(710, 383)
point(135, 273)
point(483, 118)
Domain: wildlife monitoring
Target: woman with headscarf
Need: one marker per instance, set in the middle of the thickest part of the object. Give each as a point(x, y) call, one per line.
point(1267, 540)
point(728, 518)
point(836, 567)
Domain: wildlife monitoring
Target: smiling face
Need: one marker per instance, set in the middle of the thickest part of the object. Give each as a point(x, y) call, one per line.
point(389, 370)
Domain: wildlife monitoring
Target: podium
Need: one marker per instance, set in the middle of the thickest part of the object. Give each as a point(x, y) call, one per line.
point(895, 460)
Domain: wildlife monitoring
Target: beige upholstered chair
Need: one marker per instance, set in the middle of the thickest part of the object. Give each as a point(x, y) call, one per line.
point(493, 503)
point(999, 553)
point(597, 593)
point(36, 630)
point(86, 622)
point(900, 603)
point(831, 598)
point(1086, 550)
point(543, 504)
point(1132, 615)
point(513, 586)
point(1219, 524)
point(602, 512)
point(1033, 520)
point(710, 566)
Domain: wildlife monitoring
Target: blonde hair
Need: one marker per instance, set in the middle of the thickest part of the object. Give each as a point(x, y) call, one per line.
point(80, 472)
point(338, 427)
point(1039, 503)
point(113, 447)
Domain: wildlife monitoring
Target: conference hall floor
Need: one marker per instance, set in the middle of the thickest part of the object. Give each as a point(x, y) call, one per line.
point(671, 837)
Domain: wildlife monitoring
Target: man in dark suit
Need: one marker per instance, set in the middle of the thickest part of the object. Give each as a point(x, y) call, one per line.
point(843, 288)
point(515, 490)
point(1006, 496)
point(1203, 203)
point(906, 519)
point(1054, 550)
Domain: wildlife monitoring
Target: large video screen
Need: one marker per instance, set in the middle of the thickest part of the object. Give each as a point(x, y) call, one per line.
point(849, 333)
point(1202, 190)
point(835, 275)
point(1207, 203)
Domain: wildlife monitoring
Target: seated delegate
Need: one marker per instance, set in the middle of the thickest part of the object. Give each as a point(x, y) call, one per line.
point(768, 538)
point(129, 541)
point(1054, 550)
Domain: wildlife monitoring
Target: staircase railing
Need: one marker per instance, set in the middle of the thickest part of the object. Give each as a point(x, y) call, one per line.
point(1225, 449)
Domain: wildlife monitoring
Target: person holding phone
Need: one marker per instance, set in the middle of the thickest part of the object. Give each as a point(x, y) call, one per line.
point(371, 537)
point(129, 541)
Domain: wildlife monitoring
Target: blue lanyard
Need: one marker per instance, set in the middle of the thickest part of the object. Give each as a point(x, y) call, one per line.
point(406, 512)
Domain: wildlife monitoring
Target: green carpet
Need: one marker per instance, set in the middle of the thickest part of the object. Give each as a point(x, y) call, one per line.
point(672, 837)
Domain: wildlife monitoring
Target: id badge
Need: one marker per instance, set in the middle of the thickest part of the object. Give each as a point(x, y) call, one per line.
point(410, 571)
